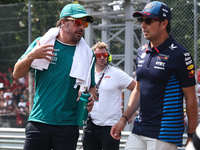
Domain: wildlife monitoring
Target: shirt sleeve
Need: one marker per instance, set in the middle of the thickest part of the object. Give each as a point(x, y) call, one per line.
point(31, 46)
point(124, 79)
point(185, 70)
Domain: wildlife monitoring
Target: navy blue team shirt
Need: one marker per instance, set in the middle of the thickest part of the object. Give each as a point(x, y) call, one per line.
point(162, 72)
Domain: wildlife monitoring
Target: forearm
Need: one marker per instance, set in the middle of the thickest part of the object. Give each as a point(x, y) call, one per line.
point(134, 102)
point(191, 108)
point(192, 113)
point(22, 67)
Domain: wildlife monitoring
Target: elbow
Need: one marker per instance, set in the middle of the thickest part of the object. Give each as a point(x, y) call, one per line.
point(15, 75)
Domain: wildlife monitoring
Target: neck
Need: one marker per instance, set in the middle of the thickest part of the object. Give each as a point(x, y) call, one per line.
point(99, 68)
point(63, 37)
point(159, 41)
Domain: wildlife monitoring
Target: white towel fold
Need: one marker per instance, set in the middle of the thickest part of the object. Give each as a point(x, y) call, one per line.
point(48, 38)
point(81, 60)
point(81, 63)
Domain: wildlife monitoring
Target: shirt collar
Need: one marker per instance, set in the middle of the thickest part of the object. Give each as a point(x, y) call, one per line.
point(159, 48)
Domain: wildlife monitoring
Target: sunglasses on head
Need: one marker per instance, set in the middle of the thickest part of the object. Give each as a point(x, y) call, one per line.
point(98, 55)
point(78, 22)
point(147, 21)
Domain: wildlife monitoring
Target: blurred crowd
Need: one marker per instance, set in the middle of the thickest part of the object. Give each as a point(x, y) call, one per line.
point(14, 100)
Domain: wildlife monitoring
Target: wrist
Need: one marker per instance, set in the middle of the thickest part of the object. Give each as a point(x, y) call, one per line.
point(125, 119)
point(29, 58)
point(190, 134)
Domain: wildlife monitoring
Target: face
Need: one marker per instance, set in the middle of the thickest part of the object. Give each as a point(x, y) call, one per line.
point(101, 61)
point(72, 32)
point(151, 30)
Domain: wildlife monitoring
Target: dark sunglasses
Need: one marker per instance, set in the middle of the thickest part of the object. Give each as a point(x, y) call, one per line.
point(98, 55)
point(147, 21)
point(78, 22)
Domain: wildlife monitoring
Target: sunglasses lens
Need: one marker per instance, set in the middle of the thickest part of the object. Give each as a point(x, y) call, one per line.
point(98, 55)
point(86, 24)
point(146, 20)
point(105, 54)
point(140, 20)
point(78, 22)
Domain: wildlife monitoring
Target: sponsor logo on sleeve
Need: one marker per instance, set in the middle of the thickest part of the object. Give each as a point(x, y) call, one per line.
point(188, 62)
point(190, 67)
point(191, 74)
point(144, 47)
point(187, 58)
point(186, 54)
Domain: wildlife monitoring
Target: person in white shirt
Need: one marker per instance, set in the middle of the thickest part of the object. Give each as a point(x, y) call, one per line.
point(110, 82)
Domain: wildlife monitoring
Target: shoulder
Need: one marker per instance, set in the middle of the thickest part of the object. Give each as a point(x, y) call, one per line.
point(118, 72)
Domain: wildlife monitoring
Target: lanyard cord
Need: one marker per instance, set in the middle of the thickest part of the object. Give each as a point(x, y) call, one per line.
point(98, 84)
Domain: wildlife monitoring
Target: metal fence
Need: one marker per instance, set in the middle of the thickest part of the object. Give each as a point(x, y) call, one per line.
point(21, 23)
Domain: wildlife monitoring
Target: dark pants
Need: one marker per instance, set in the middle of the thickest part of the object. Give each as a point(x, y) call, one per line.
point(40, 136)
point(99, 138)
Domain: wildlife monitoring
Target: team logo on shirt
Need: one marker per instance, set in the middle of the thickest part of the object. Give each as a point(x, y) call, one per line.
point(143, 55)
point(55, 58)
point(141, 61)
point(107, 77)
point(172, 47)
point(160, 63)
point(163, 57)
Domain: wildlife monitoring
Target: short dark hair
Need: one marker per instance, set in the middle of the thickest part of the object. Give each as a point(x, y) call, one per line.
point(58, 23)
point(168, 28)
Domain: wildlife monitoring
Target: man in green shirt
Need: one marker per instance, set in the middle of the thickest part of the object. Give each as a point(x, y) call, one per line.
point(52, 122)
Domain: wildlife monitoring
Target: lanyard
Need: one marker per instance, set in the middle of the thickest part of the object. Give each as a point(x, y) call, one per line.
point(98, 84)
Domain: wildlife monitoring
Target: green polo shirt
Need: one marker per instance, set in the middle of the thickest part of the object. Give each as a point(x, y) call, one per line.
point(55, 98)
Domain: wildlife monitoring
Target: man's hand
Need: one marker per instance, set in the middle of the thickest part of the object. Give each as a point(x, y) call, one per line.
point(117, 128)
point(41, 52)
point(90, 103)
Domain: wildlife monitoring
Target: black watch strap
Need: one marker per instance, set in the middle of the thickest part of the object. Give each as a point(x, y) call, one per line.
point(190, 134)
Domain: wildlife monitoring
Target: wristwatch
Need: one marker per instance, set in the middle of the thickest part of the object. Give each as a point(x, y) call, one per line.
point(190, 134)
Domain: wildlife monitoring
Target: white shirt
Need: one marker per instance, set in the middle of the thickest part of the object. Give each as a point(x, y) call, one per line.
point(107, 110)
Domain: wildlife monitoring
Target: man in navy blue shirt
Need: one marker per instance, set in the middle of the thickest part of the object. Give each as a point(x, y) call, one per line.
point(165, 75)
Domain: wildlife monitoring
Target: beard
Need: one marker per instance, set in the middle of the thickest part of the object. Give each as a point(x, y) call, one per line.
point(75, 36)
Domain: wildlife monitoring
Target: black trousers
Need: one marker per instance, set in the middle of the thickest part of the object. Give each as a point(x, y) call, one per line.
point(40, 136)
point(99, 138)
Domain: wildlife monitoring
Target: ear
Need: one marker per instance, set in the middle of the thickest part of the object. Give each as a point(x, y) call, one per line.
point(164, 24)
point(62, 22)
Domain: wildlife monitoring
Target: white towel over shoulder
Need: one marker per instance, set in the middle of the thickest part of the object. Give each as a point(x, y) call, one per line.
point(81, 60)
point(48, 38)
